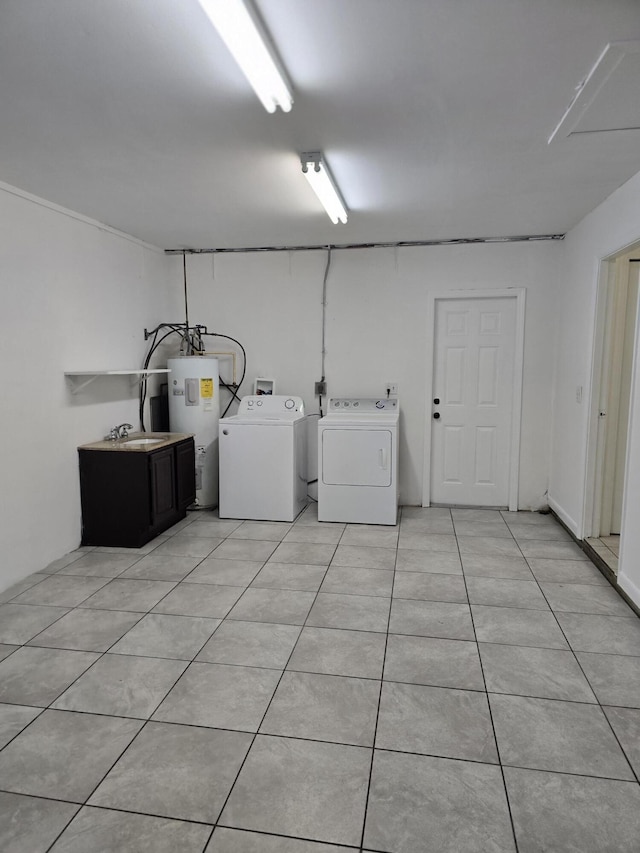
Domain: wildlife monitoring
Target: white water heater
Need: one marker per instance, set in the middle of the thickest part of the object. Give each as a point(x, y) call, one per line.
point(194, 407)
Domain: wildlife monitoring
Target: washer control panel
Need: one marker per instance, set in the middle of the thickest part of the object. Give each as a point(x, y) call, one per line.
point(363, 405)
point(270, 404)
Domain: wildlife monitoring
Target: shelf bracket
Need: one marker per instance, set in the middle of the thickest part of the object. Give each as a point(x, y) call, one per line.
point(75, 386)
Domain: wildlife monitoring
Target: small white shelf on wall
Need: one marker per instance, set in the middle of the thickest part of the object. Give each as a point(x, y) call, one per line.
point(79, 379)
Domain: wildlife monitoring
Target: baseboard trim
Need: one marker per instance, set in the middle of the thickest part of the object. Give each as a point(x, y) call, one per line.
point(629, 591)
point(599, 563)
point(571, 525)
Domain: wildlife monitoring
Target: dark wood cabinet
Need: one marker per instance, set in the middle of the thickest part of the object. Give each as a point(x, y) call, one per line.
point(128, 497)
point(185, 473)
point(162, 481)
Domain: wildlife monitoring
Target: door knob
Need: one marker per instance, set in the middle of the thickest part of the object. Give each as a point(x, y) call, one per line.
point(436, 416)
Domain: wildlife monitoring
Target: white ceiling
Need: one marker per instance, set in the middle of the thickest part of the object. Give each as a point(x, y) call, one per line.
point(433, 115)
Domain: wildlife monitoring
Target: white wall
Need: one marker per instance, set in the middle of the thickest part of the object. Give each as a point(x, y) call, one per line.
point(608, 229)
point(377, 328)
point(75, 295)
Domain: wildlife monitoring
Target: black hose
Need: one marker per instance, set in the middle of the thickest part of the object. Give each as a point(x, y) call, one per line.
point(244, 368)
point(143, 384)
point(179, 329)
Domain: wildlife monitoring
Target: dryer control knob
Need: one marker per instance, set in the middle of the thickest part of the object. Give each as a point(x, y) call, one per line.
point(289, 404)
point(380, 404)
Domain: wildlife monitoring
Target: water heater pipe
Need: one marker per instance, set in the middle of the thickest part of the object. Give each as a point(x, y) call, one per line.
point(186, 301)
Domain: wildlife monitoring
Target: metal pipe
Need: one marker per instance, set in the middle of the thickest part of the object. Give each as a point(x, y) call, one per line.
point(324, 311)
point(401, 244)
point(186, 302)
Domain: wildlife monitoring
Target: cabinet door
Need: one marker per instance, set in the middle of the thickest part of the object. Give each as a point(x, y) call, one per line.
point(115, 495)
point(163, 486)
point(186, 473)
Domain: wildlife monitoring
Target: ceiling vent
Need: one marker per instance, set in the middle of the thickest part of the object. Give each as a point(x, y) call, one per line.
point(608, 99)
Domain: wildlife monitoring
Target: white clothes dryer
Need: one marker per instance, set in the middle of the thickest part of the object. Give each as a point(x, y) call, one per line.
point(263, 459)
point(358, 461)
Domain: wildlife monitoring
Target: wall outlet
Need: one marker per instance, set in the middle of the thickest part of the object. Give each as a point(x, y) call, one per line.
point(321, 389)
point(391, 388)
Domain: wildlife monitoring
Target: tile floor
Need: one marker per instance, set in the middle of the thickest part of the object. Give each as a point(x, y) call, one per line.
point(466, 681)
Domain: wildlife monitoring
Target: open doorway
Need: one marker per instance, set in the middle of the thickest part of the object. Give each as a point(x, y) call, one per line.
point(616, 323)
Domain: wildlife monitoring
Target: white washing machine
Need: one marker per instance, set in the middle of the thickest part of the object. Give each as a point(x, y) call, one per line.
point(263, 459)
point(358, 461)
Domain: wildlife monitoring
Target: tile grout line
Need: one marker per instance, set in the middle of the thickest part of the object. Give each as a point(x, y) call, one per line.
point(142, 727)
point(400, 752)
point(375, 728)
point(59, 695)
point(575, 657)
point(143, 614)
point(255, 734)
point(486, 692)
point(131, 742)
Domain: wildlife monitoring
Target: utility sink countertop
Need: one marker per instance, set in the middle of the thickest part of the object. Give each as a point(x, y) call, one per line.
point(138, 442)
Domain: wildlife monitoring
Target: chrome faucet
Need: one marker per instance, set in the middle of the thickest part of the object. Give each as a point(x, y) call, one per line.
point(117, 432)
point(123, 430)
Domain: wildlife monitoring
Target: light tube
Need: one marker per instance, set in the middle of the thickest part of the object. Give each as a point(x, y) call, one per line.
point(323, 185)
point(239, 28)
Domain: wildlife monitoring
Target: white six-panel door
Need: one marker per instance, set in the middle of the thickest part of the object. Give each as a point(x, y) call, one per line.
point(473, 381)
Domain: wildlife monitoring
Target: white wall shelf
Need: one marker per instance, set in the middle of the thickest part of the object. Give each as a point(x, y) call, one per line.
point(79, 379)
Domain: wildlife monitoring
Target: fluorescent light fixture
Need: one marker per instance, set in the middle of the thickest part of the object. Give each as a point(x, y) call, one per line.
point(316, 172)
point(242, 32)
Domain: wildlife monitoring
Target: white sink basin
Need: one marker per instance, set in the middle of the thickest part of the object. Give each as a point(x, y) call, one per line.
point(144, 440)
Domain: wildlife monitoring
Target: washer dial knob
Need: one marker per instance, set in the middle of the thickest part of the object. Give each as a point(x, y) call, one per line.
point(289, 404)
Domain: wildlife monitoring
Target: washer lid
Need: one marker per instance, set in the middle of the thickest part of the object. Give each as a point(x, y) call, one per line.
point(264, 419)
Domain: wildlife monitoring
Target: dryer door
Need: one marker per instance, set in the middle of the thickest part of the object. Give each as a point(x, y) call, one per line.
point(356, 457)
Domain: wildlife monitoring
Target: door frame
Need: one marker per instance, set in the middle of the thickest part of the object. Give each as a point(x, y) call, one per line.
point(519, 294)
point(600, 388)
